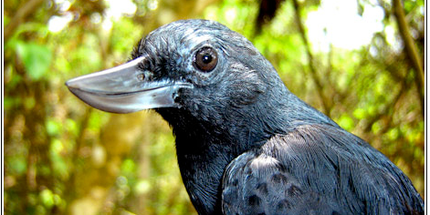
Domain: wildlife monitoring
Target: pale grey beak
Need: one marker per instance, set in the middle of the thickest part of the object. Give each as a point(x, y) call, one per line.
point(123, 90)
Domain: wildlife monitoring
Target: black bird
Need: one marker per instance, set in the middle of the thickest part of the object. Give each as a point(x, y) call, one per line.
point(245, 144)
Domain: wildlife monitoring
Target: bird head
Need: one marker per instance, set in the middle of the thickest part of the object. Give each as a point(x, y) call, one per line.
point(197, 66)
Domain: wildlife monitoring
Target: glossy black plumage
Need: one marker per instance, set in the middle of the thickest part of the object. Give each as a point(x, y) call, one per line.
point(316, 169)
point(247, 145)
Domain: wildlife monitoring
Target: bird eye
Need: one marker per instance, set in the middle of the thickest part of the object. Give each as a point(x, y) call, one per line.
point(206, 59)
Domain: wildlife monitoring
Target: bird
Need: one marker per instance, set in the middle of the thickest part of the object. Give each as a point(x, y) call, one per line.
point(245, 144)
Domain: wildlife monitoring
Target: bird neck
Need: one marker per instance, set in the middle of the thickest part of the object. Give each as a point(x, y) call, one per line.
point(203, 152)
point(206, 146)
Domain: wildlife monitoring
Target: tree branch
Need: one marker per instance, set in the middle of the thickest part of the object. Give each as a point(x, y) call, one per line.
point(386, 109)
point(324, 100)
point(410, 48)
point(20, 15)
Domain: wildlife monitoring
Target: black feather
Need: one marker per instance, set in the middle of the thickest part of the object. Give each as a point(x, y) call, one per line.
point(247, 145)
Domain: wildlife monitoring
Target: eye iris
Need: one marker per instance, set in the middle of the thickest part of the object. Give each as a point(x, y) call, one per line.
point(206, 59)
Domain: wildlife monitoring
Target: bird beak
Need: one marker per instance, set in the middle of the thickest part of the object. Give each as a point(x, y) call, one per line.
point(122, 89)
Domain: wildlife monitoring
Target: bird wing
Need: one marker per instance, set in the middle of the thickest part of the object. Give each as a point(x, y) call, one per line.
point(317, 169)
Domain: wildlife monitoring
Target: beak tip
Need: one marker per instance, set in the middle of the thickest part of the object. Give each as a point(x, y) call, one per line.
point(73, 88)
point(71, 84)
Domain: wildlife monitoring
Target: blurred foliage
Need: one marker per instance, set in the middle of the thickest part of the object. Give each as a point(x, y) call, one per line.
point(62, 157)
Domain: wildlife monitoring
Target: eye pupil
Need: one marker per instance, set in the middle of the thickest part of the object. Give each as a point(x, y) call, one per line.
point(206, 59)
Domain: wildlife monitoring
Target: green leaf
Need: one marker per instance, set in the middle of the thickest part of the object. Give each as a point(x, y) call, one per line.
point(47, 197)
point(393, 134)
point(359, 113)
point(16, 165)
point(29, 103)
point(142, 186)
point(36, 58)
point(53, 127)
point(346, 122)
point(128, 166)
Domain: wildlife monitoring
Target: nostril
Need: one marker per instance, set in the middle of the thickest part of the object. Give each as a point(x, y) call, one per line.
point(145, 75)
point(176, 99)
point(141, 77)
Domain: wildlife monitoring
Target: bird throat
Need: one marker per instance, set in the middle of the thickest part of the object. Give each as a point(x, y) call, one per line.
point(204, 150)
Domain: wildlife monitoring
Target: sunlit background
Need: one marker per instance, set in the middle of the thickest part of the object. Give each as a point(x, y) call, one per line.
point(335, 22)
point(358, 61)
